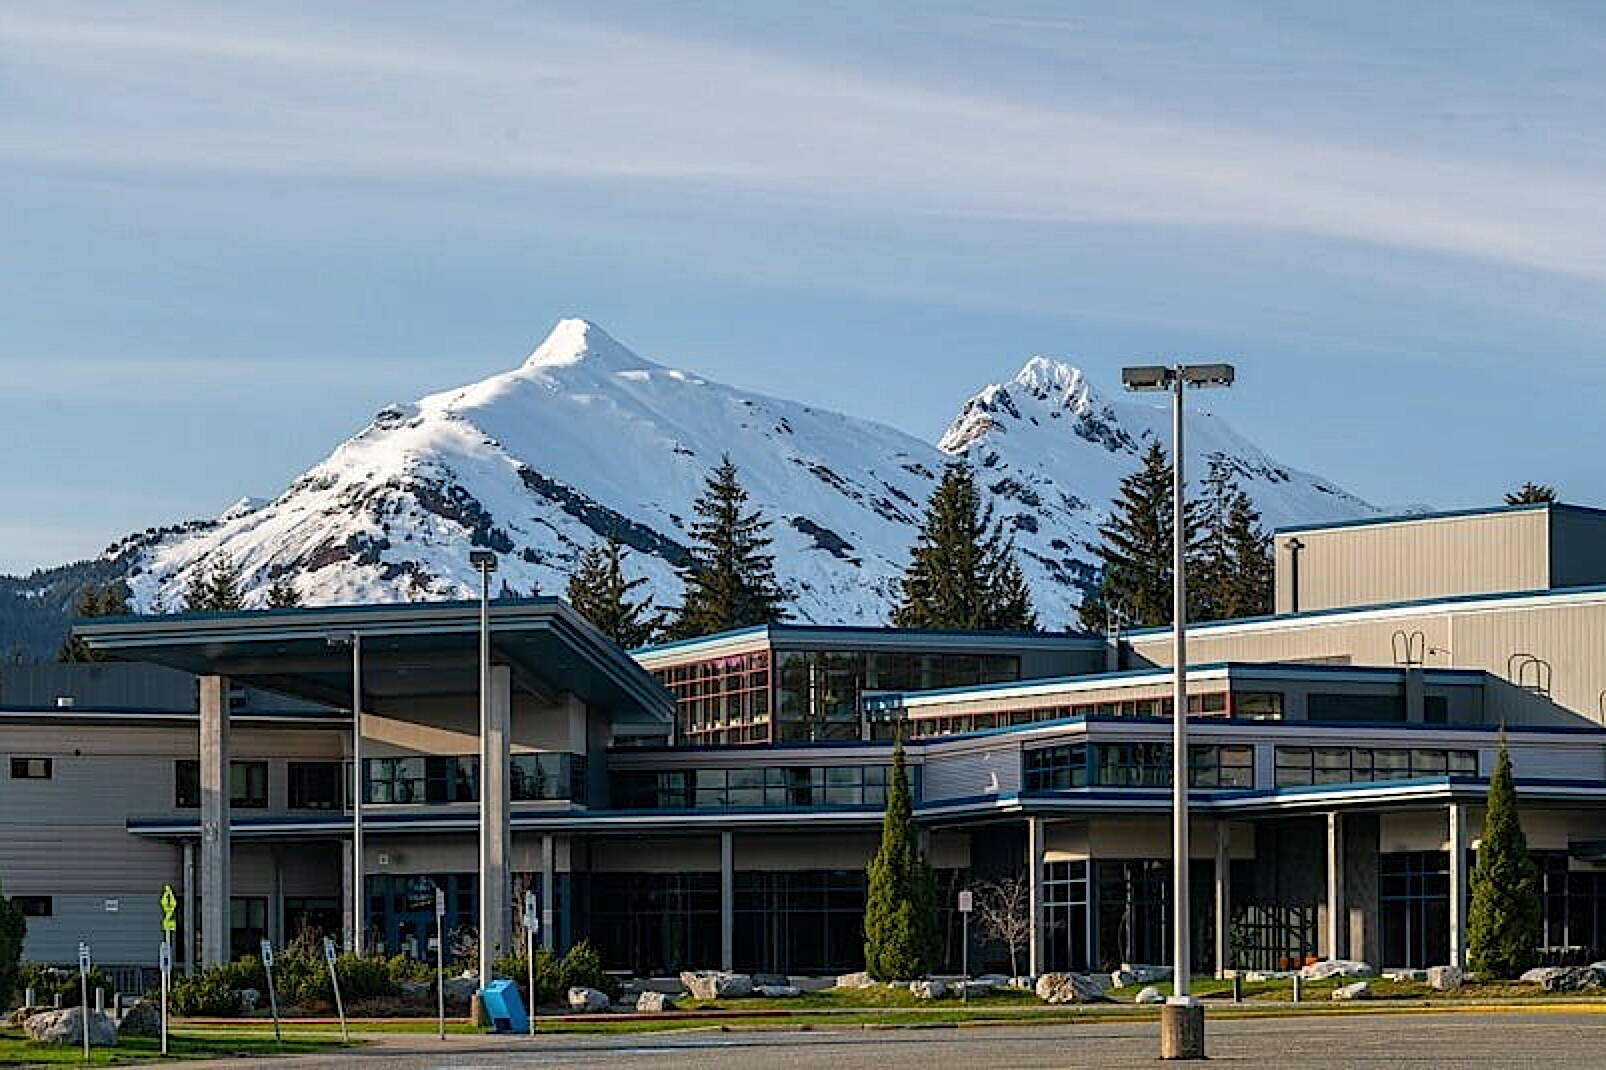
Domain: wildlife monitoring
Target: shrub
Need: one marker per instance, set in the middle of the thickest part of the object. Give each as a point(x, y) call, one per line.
point(401, 968)
point(48, 982)
point(582, 966)
point(208, 994)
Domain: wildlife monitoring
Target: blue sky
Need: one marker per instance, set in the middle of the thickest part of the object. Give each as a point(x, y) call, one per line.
point(233, 232)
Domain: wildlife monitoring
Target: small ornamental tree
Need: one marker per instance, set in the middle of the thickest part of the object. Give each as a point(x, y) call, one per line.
point(1503, 925)
point(900, 915)
point(13, 927)
point(1004, 913)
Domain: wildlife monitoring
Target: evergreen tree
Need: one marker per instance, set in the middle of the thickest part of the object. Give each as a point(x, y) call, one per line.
point(282, 594)
point(1503, 924)
point(1231, 572)
point(599, 591)
point(730, 580)
point(13, 928)
point(1136, 545)
point(1532, 493)
point(214, 587)
point(108, 601)
point(962, 573)
point(900, 915)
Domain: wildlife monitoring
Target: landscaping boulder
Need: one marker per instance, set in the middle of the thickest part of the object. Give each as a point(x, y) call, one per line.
point(1358, 990)
point(1405, 975)
point(1069, 988)
point(588, 1000)
point(974, 989)
point(67, 1027)
point(856, 980)
point(928, 989)
point(778, 991)
point(1129, 975)
point(1259, 976)
point(1565, 978)
point(143, 1019)
point(1149, 995)
point(717, 984)
point(1326, 968)
point(771, 980)
point(460, 993)
point(1445, 978)
point(1025, 983)
point(250, 999)
point(650, 1002)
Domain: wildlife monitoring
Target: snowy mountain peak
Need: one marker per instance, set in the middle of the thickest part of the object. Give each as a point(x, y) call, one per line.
point(1044, 388)
point(1056, 382)
point(574, 341)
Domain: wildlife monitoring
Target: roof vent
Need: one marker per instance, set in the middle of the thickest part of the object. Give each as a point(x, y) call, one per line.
point(64, 702)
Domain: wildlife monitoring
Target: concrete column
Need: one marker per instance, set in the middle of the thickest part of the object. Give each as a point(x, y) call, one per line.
point(549, 891)
point(1034, 877)
point(276, 932)
point(1458, 885)
point(348, 895)
point(1223, 902)
point(495, 774)
point(191, 944)
point(727, 901)
point(1337, 910)
point(215, 885)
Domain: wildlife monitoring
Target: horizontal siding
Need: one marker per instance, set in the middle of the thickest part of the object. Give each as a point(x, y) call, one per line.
point(130, 937)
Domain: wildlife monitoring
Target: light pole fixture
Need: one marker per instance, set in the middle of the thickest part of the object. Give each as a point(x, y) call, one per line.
point(484, 561)
point(1182, 1018)
point(358, 895)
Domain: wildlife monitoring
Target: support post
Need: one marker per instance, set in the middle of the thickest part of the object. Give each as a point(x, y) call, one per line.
point(276, 931)
point(214, 765)
point(1223, 904)
point(1034, 882)
point(1458, 885)
point(549, 892)
point(358, 901)
point(727, 901)
point(1337, 908)
point(351, 892)
point(495, 914)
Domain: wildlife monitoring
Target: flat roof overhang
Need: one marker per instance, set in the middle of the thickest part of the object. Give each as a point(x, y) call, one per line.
point(409, 651)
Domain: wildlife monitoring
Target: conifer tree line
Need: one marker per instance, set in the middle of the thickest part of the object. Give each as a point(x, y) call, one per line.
point(1228, 552)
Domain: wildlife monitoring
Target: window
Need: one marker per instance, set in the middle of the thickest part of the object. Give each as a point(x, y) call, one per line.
point(248, 925)
point(775, 787)
point(248, 784)
point(1436, 709)
point(417, 779)
point(32, 768)
point(1056, 768)
point(317, 785)
point(1349, 707)
point(1258, 705)
point(548, 776)
point(35, 906)
point(1300, 766)
point(1133, 765)
point(1221, 767)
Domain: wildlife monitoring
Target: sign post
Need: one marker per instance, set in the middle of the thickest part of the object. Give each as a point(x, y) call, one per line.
point(83, 986)
point(273, 995)
point(440, 958)
point(329, 955)
point(532, 926)
point(169, 903)
point(967, 903)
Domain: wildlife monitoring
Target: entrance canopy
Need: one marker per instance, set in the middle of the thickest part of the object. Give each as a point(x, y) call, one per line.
point(408, 651)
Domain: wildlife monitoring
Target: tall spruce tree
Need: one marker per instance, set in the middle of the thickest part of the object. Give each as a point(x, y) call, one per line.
point(730, 580)
point(1135, 547)
point(108, 601)
point(1231, 571)
point(214, 587)
point(282, 594)
point(962, 573)
point(900, 914)
point(599, 591)
point(13, 929)
point(1504, 920)
point(1532, 494)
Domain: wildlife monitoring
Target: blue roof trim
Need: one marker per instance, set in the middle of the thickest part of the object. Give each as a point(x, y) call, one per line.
point(306, 611)
point(1446, 514)
point(777, 633)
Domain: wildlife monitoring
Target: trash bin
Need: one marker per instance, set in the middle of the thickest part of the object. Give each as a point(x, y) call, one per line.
point(504, 1007)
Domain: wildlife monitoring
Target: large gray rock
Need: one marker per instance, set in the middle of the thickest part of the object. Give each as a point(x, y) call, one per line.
point(1565, 978)
point(67, 1027)
point(460, 993)
point(1358, 990)
point(717, 984)
point(778, 991)
point(1069, 988)
point(982, 986)
point(588, 1000)
point(250, 1000)
point(771, 980)
point(1149, 995)
point(1129, 975)
point(1326, 968)
point(1025, 983)
point(1445, 978)
point(928, 989)
point(650, 1002)
point(856, 980)
point(143, 1019)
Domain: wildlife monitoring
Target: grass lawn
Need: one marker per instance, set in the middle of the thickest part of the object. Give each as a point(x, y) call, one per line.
point(17, 1050)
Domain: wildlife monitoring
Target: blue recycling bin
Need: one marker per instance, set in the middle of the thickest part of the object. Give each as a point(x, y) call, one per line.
point(504, 1007)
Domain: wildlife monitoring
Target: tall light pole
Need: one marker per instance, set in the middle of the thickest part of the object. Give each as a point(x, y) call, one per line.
point(485, 562)
point(358, 895)
point(1182, 1018)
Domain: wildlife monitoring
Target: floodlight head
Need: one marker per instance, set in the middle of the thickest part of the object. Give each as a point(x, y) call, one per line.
point(1147, 377)
point(1197, 375)
point(484, 560)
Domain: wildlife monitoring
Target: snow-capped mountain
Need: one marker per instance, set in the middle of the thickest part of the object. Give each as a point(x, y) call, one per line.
point(586, 438)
